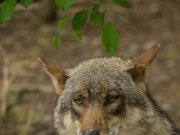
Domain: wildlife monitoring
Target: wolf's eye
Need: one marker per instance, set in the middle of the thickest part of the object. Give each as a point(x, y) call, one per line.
point(79, 100)
point(111, 99)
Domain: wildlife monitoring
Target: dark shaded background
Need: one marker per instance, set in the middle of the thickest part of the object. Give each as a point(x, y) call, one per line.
point(30, 97)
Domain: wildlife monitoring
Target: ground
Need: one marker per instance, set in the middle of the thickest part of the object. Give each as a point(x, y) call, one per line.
point(31, 99)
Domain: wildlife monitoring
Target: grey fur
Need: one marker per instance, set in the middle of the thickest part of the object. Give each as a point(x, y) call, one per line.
point(142, 117)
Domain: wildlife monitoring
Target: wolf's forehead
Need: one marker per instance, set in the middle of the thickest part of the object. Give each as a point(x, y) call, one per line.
point(100, 66)
point(101, 74)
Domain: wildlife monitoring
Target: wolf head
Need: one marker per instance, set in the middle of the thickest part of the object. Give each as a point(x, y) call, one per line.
point(102, 96)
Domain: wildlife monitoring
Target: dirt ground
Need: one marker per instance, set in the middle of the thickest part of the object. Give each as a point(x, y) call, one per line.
point(31, 99)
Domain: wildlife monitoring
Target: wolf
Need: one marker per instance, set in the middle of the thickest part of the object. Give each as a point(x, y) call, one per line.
point(107, 96)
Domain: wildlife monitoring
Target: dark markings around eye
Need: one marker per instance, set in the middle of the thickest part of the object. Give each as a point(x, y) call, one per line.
point(112, 98)
point(79, 100)
point(115, 103)
point(120, 108)
point(76, 114)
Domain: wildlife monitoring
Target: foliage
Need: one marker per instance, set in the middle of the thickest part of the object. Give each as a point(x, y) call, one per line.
point(7, 9)
point(98, 17)
point(93, 12)
point(110, 37)
point(26, 3)
point(64, 4)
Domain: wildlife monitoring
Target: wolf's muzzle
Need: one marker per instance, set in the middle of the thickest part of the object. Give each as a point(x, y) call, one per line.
point(94, 132)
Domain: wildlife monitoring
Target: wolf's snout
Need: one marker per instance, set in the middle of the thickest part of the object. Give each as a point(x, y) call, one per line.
point(94, 132)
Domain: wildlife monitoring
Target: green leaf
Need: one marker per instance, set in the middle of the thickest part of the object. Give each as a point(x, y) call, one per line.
point(79, 19)
point(64, 4)
point(57, 41)
point(7, 10)
point(96, 17)
point(26, 3)
point(63, 22)
point(123, 3)
point(110, 38)
point(78, 34)
point(95, 7)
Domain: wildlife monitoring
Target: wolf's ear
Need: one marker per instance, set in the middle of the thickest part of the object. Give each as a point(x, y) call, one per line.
point(140, 63)
point(57, 74)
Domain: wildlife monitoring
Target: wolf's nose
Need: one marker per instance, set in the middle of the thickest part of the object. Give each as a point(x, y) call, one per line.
point(94, 132)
